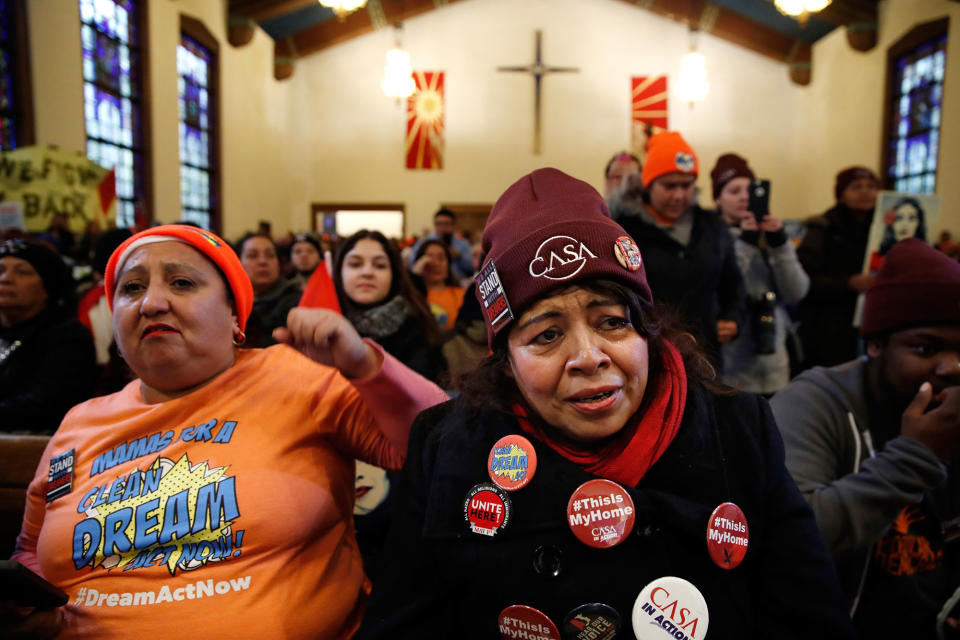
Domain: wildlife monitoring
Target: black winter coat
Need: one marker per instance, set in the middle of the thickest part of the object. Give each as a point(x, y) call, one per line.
point(270, 311)
point(47, 365)
point(409, 345)
point(701, 281)
point(832, 250)
point(443, 581)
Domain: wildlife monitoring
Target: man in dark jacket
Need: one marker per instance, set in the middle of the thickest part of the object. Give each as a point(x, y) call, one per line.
point(687, 251)
point(832, 254)
point(873, 446)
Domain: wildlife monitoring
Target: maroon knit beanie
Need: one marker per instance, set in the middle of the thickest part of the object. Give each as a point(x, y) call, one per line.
point(729, 166)
point(916, 286)
point(848, 175)
point(549, 230)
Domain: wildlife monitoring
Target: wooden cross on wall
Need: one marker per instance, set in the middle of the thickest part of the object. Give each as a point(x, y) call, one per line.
point(538, 70)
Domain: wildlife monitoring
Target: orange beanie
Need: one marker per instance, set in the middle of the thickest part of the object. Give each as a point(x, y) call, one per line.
point(216, 249)
point(668, 152)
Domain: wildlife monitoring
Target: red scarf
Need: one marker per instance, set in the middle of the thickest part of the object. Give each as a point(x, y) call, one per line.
point(631, 452)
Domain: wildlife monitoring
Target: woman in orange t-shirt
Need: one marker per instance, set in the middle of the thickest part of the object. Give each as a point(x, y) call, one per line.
point(444, 294)
point(217, 489)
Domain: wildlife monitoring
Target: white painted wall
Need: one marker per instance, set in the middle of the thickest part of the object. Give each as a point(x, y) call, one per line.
point(357, 134)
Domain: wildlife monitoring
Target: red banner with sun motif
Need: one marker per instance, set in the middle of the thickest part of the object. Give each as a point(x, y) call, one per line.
point(649, 107)
point(425, 131)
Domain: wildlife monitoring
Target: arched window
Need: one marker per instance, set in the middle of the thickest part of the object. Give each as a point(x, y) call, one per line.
point(112, 36)
point(915, 72)
point(16, 106)
point(198, 96)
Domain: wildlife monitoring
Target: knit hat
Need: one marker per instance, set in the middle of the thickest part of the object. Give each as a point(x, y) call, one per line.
point(307, 237)
point(46, 262)
point(213, 247)
point(729, 166)
point(668, 152)
point(917, 285)
point(549, 230)
point(848, 175)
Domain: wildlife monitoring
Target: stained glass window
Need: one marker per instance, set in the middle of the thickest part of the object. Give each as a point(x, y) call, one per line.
point(112, 95)
point(9, 100)
point(914, 135)
point(195, 68)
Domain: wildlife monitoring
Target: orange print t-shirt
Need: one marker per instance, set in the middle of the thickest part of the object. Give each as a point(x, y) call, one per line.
point(223, 513)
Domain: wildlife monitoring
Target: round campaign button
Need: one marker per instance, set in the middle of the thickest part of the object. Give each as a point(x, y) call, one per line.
point(627, 253)
point(595, 621)
point(512, 462)
point(487, 509)
point(670, 607)
point(727, 535)
point(600, 513)
point(521, 621)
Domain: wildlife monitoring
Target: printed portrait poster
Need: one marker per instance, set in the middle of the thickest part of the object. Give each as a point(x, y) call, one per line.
point(898, 216)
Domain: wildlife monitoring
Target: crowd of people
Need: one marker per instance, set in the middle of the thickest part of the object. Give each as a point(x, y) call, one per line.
point(563, 424)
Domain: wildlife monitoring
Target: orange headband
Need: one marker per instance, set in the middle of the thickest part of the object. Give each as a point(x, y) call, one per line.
point(210, 245)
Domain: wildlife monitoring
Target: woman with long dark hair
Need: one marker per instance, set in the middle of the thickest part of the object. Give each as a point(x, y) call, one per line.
point(593, 475)
point(376, 295)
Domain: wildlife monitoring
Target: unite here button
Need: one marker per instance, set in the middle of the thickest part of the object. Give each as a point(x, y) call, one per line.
point(487, 509)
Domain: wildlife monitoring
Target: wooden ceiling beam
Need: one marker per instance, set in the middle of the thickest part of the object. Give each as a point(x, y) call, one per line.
point(844, 12)
point(723, 23)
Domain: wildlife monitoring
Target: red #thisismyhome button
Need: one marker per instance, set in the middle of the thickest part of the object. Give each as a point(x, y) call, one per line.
point(521, 621)
point(487, 509)
point(727, 535)
point(600, 513)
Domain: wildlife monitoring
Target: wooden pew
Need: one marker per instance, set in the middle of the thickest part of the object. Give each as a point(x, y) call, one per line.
point(19, 456)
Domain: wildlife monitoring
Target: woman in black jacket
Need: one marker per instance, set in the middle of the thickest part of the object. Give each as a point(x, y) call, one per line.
point(592, 476)
point(47, 358)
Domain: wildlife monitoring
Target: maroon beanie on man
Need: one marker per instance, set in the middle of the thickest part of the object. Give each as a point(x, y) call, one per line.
point(916, 286)
point(546, 231)
point(848, 175)
point(729, 166)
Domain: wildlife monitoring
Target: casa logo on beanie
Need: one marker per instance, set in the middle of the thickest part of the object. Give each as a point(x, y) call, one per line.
point(684, 161)
point(559, 258)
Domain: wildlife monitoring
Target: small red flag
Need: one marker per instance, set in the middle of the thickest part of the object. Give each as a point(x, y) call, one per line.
point(320, 292)
point(107, 190)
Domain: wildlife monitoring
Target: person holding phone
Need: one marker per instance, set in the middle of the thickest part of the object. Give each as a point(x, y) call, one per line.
point(757, 359)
